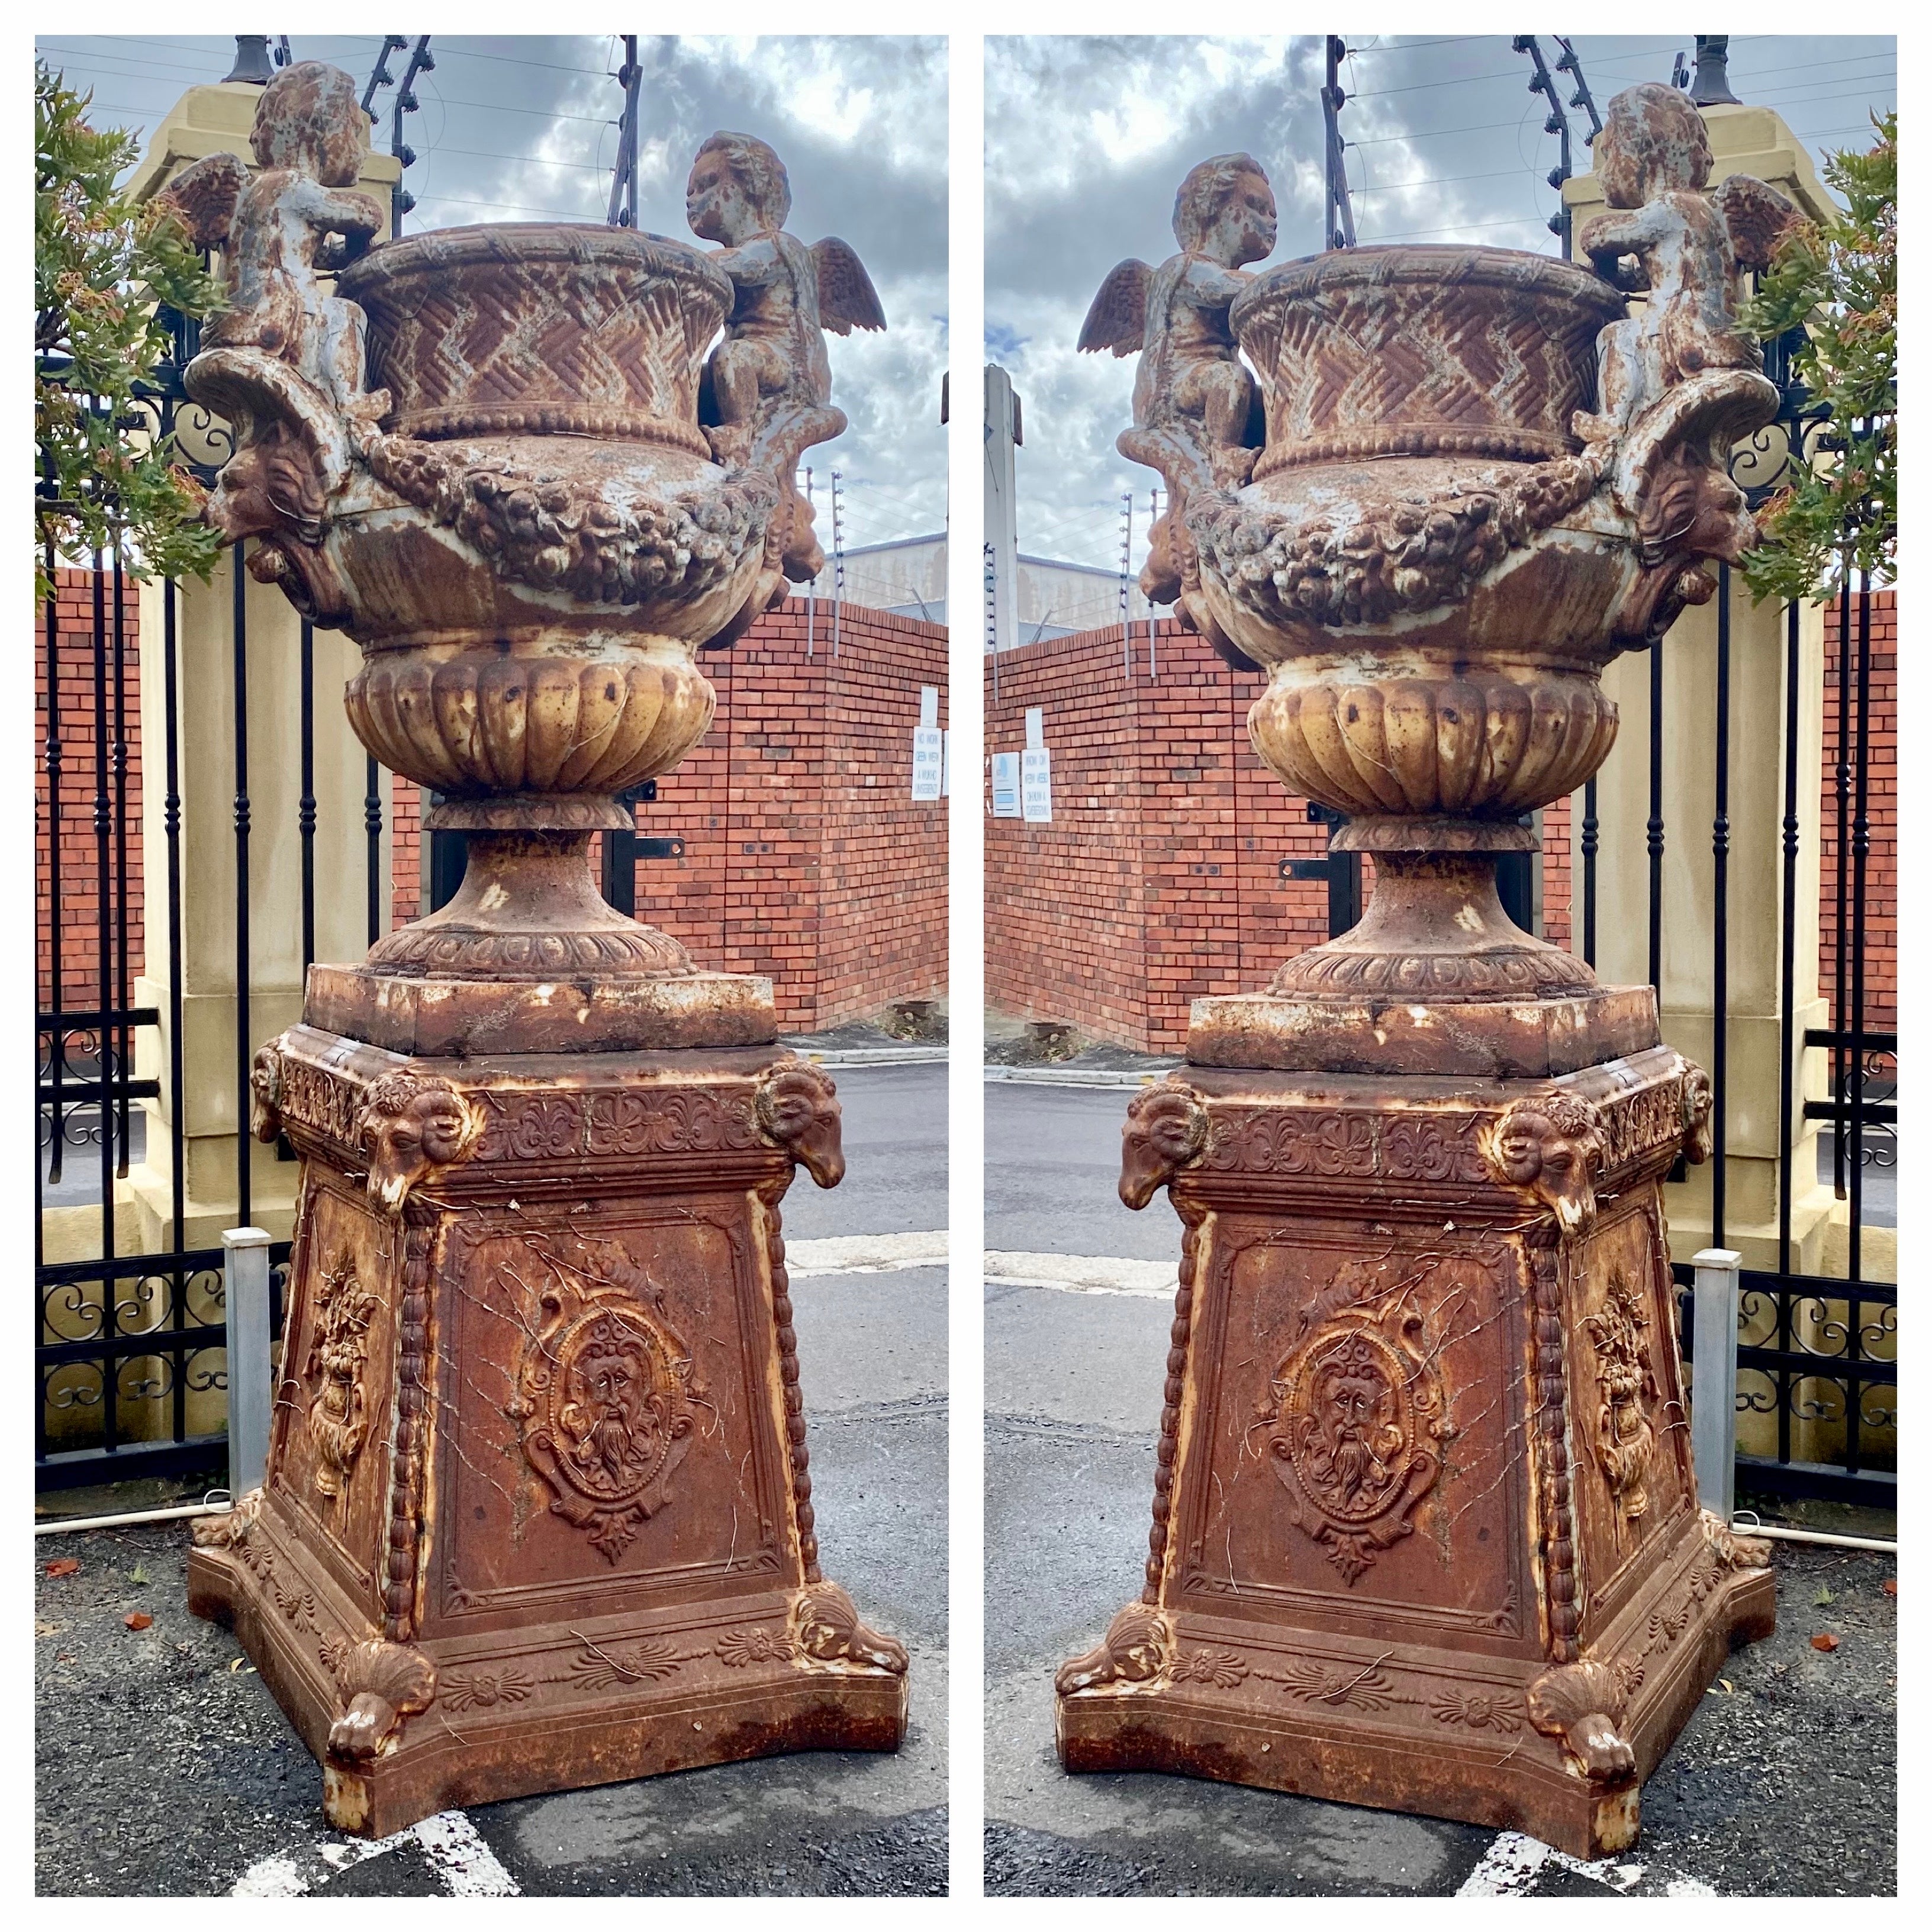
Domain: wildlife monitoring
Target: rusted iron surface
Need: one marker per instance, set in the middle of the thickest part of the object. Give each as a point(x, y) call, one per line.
point(1472, 479)
point(1426, 1533)
point(538, 1510)
point(500, 459)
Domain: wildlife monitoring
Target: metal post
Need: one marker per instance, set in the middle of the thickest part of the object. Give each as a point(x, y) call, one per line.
point(812, 589)
point(1153, 517)
point(244, 1273)
point(1126, 558)
point(422, 60)
point(1543, 82)
point(838, 560)
point(1714, 1377)
point(623, 213)
point(1338, 217)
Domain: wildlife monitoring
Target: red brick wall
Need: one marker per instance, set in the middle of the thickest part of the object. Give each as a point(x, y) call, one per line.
point(798, 799)
point(1881, 1003)
point(405, 804)
point(805, 856)
point(79, 871)
point(1159, 880)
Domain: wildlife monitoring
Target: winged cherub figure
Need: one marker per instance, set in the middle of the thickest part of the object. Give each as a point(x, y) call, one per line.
point(1653, 159)
point(298, 218)
point(1192, 399)
point(769, 381)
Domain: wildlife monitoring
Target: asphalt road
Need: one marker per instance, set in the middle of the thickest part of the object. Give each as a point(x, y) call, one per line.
point(165, 1767)
point(1784, 1785)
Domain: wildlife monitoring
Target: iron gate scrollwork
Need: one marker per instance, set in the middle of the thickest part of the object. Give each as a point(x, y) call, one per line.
point(130, 1362)
point(1817, 1353)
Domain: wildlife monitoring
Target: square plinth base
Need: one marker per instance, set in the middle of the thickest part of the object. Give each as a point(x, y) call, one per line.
point(552, 1709)
point(537, 1513)
point(1390, 1727)
point(1425, 1529)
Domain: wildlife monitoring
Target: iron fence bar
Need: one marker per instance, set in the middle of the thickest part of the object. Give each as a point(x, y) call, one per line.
point(1844, 795)
point(1861, 851)
point(1590, 833)
point(1653, 826)
point(242, 1057)
point(110, 1407)
point(125, 1045)
point(305, 805)
point(1874, 1041)
point(86, 1019)
point(57, 1041)
point(171, 827)
point(372, 821)
point(1788, 946)
point(1720, 886)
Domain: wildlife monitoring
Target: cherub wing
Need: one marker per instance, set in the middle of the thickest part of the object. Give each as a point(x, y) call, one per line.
point(203, 198)
point(847, 299)
point(1757, 216)
point(1118, 319)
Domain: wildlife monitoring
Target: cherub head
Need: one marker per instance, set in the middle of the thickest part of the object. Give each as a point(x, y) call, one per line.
point(310, 121)
point(1225, 210)
point(1653, 141)
point(738, 189)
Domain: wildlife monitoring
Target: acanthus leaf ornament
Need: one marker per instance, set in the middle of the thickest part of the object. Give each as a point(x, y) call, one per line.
point(1356, 1419)
point(607, 1394)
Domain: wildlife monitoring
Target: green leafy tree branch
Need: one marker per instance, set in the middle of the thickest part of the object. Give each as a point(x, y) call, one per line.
point(1838, 284)
point(102, 267)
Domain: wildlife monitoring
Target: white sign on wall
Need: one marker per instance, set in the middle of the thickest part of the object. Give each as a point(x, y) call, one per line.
point(1036, 785)
point(928, 749)
point(1006, 784)
point(928, 763)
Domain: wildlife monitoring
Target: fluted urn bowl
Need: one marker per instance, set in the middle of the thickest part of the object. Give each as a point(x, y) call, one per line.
point(1421, 561)
point(541, 540)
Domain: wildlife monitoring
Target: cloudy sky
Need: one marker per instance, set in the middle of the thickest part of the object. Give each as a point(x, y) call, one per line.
point(524, 129)
point(1087, 139)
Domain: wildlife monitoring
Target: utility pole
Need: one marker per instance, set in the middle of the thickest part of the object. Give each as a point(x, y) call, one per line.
point(624, 181)
point(1004, 434)
point(1338, 216)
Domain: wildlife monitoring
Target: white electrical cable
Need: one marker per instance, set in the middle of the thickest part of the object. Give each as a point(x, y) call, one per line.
point(205, 1508)
point(1778, 1534)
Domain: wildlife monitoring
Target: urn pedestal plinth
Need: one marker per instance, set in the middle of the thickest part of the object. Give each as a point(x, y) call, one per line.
point(1427, 1534)
point(537, 1513)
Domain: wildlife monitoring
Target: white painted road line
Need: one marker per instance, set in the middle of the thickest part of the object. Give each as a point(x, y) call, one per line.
point(1509, 1866)
point(1084, 1274)
point(455, 1849)
point(467, 1865)
point(865, 1254)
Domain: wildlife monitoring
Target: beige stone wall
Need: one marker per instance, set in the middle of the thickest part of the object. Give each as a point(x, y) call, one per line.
point(1755, 141)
